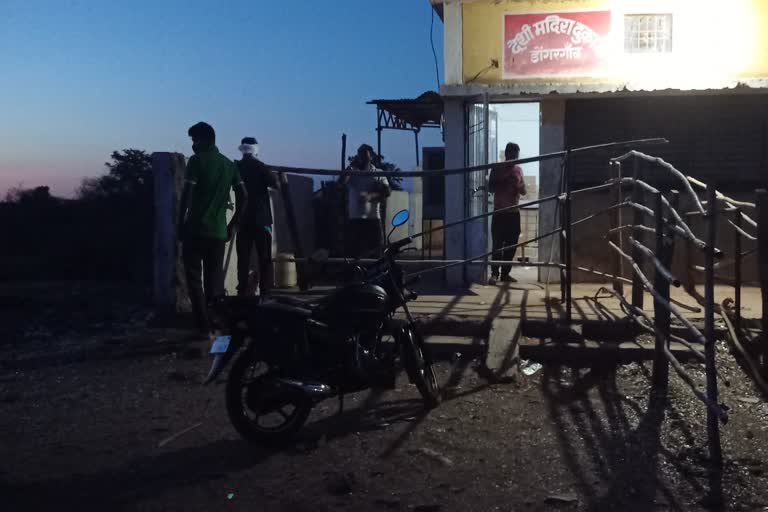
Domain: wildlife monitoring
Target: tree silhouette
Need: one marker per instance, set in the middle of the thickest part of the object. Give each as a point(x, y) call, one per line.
point(129, 177)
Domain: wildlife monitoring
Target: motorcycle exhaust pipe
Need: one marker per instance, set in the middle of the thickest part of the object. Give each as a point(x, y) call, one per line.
point(315, 390)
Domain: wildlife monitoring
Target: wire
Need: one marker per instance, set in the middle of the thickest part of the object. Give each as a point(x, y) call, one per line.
point(432, 43)
point(486, 68)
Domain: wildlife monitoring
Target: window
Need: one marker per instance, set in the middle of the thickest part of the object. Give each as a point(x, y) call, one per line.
point(648, 33)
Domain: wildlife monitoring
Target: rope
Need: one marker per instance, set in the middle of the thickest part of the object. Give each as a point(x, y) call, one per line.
point(462, 170)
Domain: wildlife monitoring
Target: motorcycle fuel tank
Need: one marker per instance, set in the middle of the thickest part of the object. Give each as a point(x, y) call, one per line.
point(356, 304)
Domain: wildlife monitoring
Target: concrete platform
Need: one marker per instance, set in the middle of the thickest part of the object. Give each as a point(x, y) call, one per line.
point(528, 301)
point(520, 320)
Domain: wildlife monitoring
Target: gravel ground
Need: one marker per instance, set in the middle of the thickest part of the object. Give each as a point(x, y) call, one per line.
point(86, 401)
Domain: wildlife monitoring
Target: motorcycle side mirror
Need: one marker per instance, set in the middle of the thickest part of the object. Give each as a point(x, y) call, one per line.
point(400, 218)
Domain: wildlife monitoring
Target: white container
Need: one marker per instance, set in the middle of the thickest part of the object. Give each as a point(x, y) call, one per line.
point(285, 271)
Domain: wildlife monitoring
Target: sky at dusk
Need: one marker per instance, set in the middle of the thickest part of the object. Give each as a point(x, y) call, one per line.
point(83, 78)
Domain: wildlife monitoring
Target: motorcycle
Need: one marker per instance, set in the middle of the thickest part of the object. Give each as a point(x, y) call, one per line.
point(289, 354)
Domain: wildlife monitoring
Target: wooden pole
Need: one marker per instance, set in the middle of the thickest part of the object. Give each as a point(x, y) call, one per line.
point(762, 258)
point(343, 151)
point(637, 219)
point(615, 219)
point(737, 271)
point(660, 313)
point(293, 227)
point(568, 239)
point(713, 427)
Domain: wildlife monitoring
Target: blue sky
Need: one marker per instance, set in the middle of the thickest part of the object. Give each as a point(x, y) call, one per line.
point(83, 78)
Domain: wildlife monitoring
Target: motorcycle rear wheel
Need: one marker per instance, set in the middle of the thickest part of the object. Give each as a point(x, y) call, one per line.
point(418, 366)
point(252, 396)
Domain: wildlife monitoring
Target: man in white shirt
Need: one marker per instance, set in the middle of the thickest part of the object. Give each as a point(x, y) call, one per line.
point(365, 195)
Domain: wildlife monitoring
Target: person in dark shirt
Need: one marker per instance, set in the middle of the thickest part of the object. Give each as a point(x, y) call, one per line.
point(256, 228)
point(507, 185)
point(203, 228)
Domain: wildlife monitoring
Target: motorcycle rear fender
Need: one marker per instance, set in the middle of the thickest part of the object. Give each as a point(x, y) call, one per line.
point(220, 361)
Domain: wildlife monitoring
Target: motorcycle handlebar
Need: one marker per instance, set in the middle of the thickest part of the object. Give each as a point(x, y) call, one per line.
point(412, 281)
point(396, 246)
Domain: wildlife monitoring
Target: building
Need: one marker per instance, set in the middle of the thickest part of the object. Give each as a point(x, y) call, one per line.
point(594, 71)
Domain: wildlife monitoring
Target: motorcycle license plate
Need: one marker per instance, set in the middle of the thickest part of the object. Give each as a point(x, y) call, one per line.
point(220, 344)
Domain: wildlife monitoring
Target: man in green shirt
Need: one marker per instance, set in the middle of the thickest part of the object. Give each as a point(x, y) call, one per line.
point(203, 220)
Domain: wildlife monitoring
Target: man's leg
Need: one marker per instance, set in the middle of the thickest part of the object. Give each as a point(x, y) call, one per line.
point(193, 268)
point(497, 243)
point(352, 239)
point(244, 246)
point(213, 268)
point(358, 237)
point(264, 251)
point(376, 238)
point(511, 237)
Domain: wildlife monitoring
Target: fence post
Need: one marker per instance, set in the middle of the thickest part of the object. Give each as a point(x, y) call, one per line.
point(637, 219)
point(713, 427)
point(762, 258)
point(660, 312)
point(563, 271)
point(737, 272)
point(615, 222)
point(568, 238)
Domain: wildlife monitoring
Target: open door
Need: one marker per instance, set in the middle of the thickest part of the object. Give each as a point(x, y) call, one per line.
point(481, 149)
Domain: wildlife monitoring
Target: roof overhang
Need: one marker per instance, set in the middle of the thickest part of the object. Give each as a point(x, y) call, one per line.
point(527, 91)
point(437, 5)
point(425, 111)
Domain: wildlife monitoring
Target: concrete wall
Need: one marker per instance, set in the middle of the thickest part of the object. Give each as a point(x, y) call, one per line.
point(452, 46)
point(552, 139)
point(591, 250)
point(169, 290)
point(455, 187)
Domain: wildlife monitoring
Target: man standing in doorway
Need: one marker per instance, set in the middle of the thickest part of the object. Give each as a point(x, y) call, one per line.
point(507, 185)
point(256, 228)
point(365, 194)
point(203, 220)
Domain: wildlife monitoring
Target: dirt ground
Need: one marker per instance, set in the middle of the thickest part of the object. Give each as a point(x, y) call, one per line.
point(88, 391)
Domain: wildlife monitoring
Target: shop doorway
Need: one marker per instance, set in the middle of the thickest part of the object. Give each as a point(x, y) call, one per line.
point(490, 126)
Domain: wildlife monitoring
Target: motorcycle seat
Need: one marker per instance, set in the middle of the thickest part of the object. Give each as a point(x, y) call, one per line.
point(285, 307)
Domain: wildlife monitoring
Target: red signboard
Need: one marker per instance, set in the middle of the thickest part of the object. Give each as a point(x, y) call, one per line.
point(555, 44)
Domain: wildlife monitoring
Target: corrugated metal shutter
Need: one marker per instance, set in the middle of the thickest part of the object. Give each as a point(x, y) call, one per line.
point(720, 137)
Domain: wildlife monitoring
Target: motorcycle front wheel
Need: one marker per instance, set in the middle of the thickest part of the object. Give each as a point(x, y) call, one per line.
point(261, 410)
point(418, 366)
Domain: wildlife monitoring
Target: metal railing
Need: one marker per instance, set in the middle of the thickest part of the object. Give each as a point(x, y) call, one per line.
point(669, 227)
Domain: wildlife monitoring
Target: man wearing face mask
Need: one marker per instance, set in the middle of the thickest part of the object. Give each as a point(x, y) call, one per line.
point(203, 227)
point(256, 228)
point(365, 195)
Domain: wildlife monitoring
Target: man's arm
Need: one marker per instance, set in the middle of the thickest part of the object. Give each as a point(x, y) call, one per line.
point(270, 177)
point(190, 180)
point(493, 180)
point(241, 201)
point(380, 190)
point(520, 180)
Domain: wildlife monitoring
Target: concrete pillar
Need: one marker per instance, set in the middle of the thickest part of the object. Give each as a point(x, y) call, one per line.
point(452, 47)
point(455, 187)
point(169, 286)
point(552, 138)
